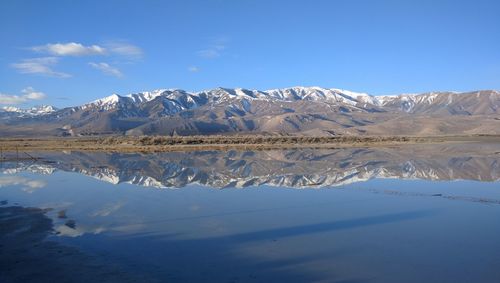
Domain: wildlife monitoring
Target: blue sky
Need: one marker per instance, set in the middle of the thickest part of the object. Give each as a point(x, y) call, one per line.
point(66, 53)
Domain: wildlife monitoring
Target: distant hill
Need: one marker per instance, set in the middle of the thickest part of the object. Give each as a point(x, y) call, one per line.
point(297, 111)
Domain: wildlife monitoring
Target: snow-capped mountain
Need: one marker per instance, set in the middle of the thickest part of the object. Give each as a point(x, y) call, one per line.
point(30, 112)
point(182, 100)
point(295, 110)
point(177, 100)
point(470, 103)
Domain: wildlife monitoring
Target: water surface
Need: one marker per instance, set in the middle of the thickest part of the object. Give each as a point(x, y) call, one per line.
point(402, 214)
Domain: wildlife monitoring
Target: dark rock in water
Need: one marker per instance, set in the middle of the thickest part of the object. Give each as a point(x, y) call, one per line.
point(71, 224)
point(26, 255)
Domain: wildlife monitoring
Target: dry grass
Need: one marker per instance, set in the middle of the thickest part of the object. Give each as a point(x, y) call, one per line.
point(254, 142)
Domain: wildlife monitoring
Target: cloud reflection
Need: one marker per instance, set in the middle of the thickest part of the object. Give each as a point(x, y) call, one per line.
point(28, 185)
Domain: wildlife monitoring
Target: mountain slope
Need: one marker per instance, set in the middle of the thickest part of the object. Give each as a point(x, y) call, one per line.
point(296, 110)
point(445, 103)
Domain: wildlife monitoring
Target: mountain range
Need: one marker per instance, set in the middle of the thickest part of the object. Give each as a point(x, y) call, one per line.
point(297, 111)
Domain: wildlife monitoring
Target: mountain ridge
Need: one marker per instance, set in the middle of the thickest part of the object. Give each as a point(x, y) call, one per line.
point(294, 110)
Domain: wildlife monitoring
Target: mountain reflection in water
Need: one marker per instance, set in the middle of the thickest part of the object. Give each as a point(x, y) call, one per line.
point(304, 168)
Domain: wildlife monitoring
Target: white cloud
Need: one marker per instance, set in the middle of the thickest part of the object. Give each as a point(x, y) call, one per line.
point(31, 94)
point(107, 69)
point(70, 49)
point(40, 66)
point(120, 51)
point(214, 50)
point(11, 99)
point(124, 49)
point(28, 94)
point(119, 48)
point(208, 53)
point(193, 69)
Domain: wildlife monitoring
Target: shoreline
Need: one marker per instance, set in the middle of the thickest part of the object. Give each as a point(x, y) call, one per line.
point(193, 143)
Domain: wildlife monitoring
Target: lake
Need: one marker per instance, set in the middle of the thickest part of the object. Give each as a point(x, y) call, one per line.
point(413, 213)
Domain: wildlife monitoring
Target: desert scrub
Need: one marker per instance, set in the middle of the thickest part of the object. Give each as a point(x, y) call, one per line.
point(220, 140)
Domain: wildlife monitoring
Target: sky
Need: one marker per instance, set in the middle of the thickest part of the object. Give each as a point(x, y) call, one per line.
point(66, 53)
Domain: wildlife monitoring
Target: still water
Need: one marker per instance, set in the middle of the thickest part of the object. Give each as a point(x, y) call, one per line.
point(402, 214)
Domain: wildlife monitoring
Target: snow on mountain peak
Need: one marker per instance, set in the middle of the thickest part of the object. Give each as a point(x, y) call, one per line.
point(105, 103)
point(316, 93)
point(114, 98)
point(44, 109)
point(175, 100)
point(147, 95)
point(33, 111)
point(220, 95)
point(11, 109)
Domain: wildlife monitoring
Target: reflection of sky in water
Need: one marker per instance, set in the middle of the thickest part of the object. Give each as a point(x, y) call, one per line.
point(380, 230)
point(28, 185)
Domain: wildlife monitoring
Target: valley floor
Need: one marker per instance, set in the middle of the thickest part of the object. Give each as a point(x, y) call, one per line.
point(166, 143)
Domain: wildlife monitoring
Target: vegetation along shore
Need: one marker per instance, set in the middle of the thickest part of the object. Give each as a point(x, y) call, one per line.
point(253, 142)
